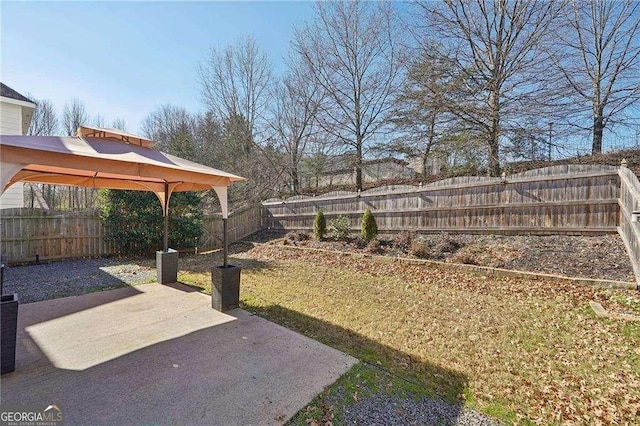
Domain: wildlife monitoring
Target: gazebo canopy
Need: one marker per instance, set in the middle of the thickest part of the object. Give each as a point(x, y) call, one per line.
point(106, 158)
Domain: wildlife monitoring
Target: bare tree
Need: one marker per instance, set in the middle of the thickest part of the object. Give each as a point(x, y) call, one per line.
point(119, 123)
point(292, 120)
point(44, 121)
point(499, 48)
point(173, 129)
point(98, 121)
point(234, 81)
point(602, 60)
point(74, 115)
point(352, 51)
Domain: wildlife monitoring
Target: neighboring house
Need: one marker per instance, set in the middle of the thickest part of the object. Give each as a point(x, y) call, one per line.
point(433, 165)
point(340, 171)
point(16, 111)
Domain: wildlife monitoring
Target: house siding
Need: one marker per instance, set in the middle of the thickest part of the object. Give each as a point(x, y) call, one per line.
point(10, 119)
point(11, 124)
point(13, 197)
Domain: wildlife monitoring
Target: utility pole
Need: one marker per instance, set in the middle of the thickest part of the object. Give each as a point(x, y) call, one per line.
point(550, 131)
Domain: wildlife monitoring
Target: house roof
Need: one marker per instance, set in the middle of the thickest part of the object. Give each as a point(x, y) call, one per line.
point(8, 92)
point(344, 163)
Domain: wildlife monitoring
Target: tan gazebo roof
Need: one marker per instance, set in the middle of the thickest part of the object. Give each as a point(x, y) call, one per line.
point(106, 158)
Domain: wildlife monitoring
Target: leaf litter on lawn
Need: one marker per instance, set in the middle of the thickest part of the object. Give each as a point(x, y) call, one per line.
point(530, 347)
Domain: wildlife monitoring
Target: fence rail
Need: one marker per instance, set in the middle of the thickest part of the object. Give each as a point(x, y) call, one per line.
point(575, 199)
point(30, 234)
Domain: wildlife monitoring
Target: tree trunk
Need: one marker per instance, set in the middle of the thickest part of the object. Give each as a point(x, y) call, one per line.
point(430, 139)
point(358, 166)
point(598, 127)
point(494, 161)
point(494, 135)
point(295, 181)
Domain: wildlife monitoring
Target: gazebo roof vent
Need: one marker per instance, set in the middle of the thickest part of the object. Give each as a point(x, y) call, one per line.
point(115, 135)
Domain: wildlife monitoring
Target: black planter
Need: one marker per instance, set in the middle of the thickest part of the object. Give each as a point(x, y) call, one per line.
point(225, 287)
point(8, 329)
point(167, 266)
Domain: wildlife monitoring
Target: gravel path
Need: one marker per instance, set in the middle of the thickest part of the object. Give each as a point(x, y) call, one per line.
point(369, 396)
point(33, 283)
point(383, 410)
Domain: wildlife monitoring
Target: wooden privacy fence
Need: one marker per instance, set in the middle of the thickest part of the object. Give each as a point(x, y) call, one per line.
point(31, 234)
point(569, 199)
point(565, 199)
point(629, 227)
point(241, 223)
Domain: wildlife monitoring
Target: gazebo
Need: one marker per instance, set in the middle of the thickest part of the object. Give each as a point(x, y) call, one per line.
point(109, 158)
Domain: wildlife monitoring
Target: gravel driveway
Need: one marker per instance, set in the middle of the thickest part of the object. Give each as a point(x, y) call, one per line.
point(43, 281)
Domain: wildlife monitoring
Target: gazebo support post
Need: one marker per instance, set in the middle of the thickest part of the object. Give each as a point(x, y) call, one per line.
point(225, 279)
point(165, 215)
point(165, 239)
point(167, 259)
point(225, 252)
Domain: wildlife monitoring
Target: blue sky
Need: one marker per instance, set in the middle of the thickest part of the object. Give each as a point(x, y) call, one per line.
point(124, 59)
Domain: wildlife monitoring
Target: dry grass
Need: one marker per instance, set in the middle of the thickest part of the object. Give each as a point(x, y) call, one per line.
point(517, 349)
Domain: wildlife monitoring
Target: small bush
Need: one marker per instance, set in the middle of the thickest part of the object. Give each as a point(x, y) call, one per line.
point(359, 243)
point(403, 240)
point(319, 226)
point(472, 255)
point(374, 247)
point(421, 248)
point(368, 227)
point(466, 258)
point(340, 227)
point(445, 244)
point(296, 236)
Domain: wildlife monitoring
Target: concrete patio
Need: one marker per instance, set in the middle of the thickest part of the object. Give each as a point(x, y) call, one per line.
point(154, 354)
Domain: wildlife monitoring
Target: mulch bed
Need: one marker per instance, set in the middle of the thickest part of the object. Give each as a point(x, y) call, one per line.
point(595, 257)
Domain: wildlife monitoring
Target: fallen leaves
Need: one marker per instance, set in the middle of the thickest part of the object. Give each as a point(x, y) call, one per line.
point(532, 344)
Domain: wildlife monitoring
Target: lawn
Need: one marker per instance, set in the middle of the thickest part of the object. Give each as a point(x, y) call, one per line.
point(520, 350)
